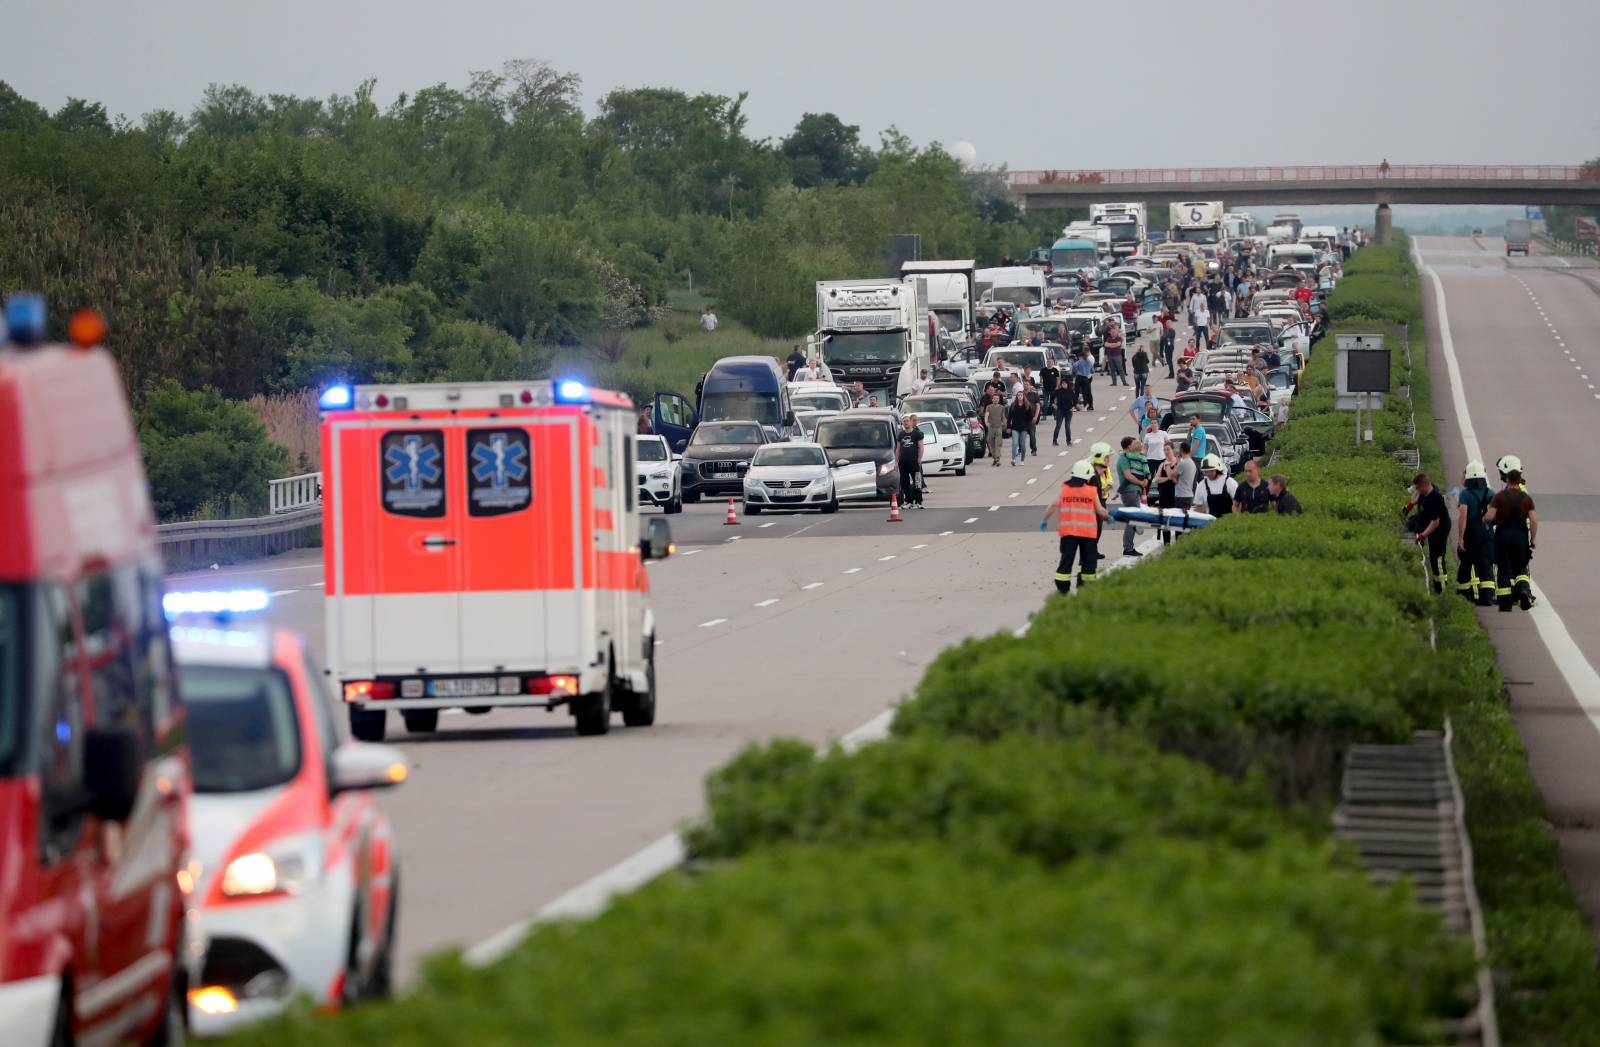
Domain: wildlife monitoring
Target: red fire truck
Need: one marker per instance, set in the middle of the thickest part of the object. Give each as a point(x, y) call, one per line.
point(482, 549)
point(94, 777)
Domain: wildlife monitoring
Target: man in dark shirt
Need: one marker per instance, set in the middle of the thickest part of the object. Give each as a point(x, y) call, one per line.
point(796, 360)
point(1047, 384)
point(1037, 401)
point(1252, 495)
point(1065, 396)
point(1283, 499)
point(997, 384)
point(1433, 518)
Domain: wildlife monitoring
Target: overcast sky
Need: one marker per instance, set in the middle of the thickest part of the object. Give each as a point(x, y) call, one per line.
point(1031, 84)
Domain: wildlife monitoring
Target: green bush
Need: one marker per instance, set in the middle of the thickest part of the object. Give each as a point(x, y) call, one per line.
point(1050, 799)
point(203, 452)
point(1166, 944)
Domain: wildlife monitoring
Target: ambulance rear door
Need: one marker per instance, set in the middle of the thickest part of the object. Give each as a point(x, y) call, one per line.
point(520, 557)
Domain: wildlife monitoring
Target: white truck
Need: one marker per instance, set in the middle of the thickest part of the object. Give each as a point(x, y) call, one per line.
point(1126, 222)
point(1197, 221)
point(1238, 225)
point(1019, 286)
point(1091, 231)
point(874, 332)
point(951, 296)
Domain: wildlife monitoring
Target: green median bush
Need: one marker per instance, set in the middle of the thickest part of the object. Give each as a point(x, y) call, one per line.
point(1053, 799)
point(1166, 944)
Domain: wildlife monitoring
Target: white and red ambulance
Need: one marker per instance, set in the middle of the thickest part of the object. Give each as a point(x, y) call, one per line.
point(482, 549)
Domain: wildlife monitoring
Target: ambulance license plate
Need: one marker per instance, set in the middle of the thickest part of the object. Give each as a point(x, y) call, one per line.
point(483, 686)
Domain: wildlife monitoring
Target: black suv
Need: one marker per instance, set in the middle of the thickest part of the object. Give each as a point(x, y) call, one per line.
point(715, 460)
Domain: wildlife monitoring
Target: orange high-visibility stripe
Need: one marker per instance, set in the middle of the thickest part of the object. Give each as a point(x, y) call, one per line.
point(1077, 517)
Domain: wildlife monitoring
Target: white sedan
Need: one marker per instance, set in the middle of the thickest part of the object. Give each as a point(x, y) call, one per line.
point(790, 476)
point(943, 447)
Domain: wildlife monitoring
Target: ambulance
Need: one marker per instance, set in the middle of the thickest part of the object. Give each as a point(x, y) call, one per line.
point(94, 769)
point(483, 550)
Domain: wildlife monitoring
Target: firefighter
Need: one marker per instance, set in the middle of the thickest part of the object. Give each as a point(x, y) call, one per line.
point(1100, 461)
point(1516, 532)
point(1079, 516)
point(1474, 543)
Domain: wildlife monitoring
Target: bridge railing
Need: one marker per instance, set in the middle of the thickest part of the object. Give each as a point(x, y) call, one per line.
point(1177, 176)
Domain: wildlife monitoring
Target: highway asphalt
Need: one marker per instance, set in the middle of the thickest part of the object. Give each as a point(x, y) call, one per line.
point(801, 626)
point(1523, 332)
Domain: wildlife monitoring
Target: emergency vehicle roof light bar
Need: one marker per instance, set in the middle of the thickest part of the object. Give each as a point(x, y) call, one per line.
point(571, 391)
point(25, 318)
point(336, 397)
point(225, 602)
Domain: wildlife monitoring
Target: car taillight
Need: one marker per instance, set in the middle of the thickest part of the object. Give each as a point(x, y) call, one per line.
point(368, 690)
point(567, 685)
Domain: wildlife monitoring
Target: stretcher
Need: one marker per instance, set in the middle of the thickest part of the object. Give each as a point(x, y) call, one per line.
point(1175, 519)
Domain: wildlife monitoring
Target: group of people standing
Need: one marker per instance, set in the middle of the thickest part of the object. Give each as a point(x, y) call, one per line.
point(1495, 534)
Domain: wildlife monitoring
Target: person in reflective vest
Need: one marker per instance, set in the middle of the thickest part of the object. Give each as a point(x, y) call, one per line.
point(1079, 516)
point(1474, 544)
point(1516, 531)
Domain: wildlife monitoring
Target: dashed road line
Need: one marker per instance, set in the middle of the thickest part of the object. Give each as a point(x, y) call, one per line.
point(924, 545)
point(968, 520)
point(1013, 494)
point(852, 570)
point(812, 585)
point(883, 559)
point(769, 524)
point(691, 552)
point(993, 509)
point(946, 534)
point(768, 602)
point(714, 621)
point(1033, 479)
point(282, 592)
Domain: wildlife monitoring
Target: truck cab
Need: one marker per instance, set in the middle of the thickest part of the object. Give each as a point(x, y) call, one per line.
point(94, 771)
point(874, 332)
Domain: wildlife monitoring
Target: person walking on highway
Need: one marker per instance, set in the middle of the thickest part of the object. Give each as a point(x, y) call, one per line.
point(1133, 480)
point(1049, 378)
point(997, 385)
point(1432, 521)
point(1474, 543)
point(1019, 418)
point(1063, 406)
point(1079, 515)
point(1202, 324)
point(1167, 346)
point(1516, 532)
point(1141, 371)
point(1252, 496)
point(994, 426)
point(909, 443)
point(1083, 378)
point(1116, 354)
point(1283, 500)
point(1030, 392)
point(1216, 489)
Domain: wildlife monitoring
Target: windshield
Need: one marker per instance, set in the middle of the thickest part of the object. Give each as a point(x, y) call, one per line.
point(1205, 234)
point(1247, 335)
point(941, 426)
point(808, 423)
point(822, 401)
point(950, 320)
point(10, 676)
point(651, 451)
point(1018, 295)
point(743, 407)
point(951, 405)
point(845, 432)
point(1122, 232)
point(243, 731)
point(865, 347)
point(1072, 258)
point(1210, 411)
point(789, 454)
point(725, 434)
point(1012, 357)
point(1049, 330)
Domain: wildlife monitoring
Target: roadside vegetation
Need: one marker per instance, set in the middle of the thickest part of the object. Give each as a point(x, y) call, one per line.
point(1063, 827)
point(263, 244)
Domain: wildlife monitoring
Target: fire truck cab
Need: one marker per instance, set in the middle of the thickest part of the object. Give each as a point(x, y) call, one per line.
point(94, 772)
point(483, 549)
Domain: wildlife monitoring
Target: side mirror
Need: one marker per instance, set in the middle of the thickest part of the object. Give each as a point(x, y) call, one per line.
point(657, 541)
point(840, 463)
point(361, 765)
point(113, 760)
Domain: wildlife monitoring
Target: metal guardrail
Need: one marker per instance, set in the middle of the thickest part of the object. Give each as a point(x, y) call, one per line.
point(294, 492)
point(1401, 808)
point(256, 536)
point(1145, 176)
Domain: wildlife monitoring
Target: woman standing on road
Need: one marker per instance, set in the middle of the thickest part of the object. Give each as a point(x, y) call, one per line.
point(909, 443)
point(1019, 419)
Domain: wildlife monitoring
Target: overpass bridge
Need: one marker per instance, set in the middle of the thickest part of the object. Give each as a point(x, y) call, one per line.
point(1378, 184)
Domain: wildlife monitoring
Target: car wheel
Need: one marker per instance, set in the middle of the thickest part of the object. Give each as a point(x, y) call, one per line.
point(367, 725)
point(752, 510)
point(833, 504)
point(961, 471)
point(674, 507)
point(593, 715)
point(380, 983)
point(641, 710)
point(421, 721)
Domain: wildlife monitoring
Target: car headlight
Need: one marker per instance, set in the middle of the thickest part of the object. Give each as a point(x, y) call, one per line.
point(282, 869)
point(886, 468)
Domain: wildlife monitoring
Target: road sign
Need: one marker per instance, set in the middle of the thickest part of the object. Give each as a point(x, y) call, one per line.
point(1535, 213)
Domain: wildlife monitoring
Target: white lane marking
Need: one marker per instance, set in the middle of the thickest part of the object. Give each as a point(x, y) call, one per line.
point(1061, 454)
point(1049, 465)
point(1101, 418)
point(690, 552)
point(1033, 479)
point(1013, 494)
point(993, 509)
point(735, 538)
point(768, 602)
point(970, 519)
point(853, 570)
point(282, 592)
point(1090, 429)
point(811, 585)
point(924, 545)
point(769, 524)
point(714, 621)
point(1580, 676)
point(874, 730)
point(881, 559)
point(318, 585)
point(946, 534)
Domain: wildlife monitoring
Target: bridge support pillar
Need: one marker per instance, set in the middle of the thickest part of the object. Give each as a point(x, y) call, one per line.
point(1382, 225)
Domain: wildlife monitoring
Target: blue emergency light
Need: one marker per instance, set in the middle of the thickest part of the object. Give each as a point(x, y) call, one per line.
point(216, 602)
point(571, 391)
point(336, 397)
point(25, 318)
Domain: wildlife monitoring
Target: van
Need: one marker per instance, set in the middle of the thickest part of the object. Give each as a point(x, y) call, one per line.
point(747, 389)
point(1279, 255)
point(483, 549)
point(94, 782)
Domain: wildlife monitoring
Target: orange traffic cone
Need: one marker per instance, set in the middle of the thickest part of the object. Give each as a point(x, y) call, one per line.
point(733, 517)
point(894, 508)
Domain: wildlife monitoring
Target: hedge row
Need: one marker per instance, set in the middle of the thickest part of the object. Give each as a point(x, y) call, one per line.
point(1112, 830)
